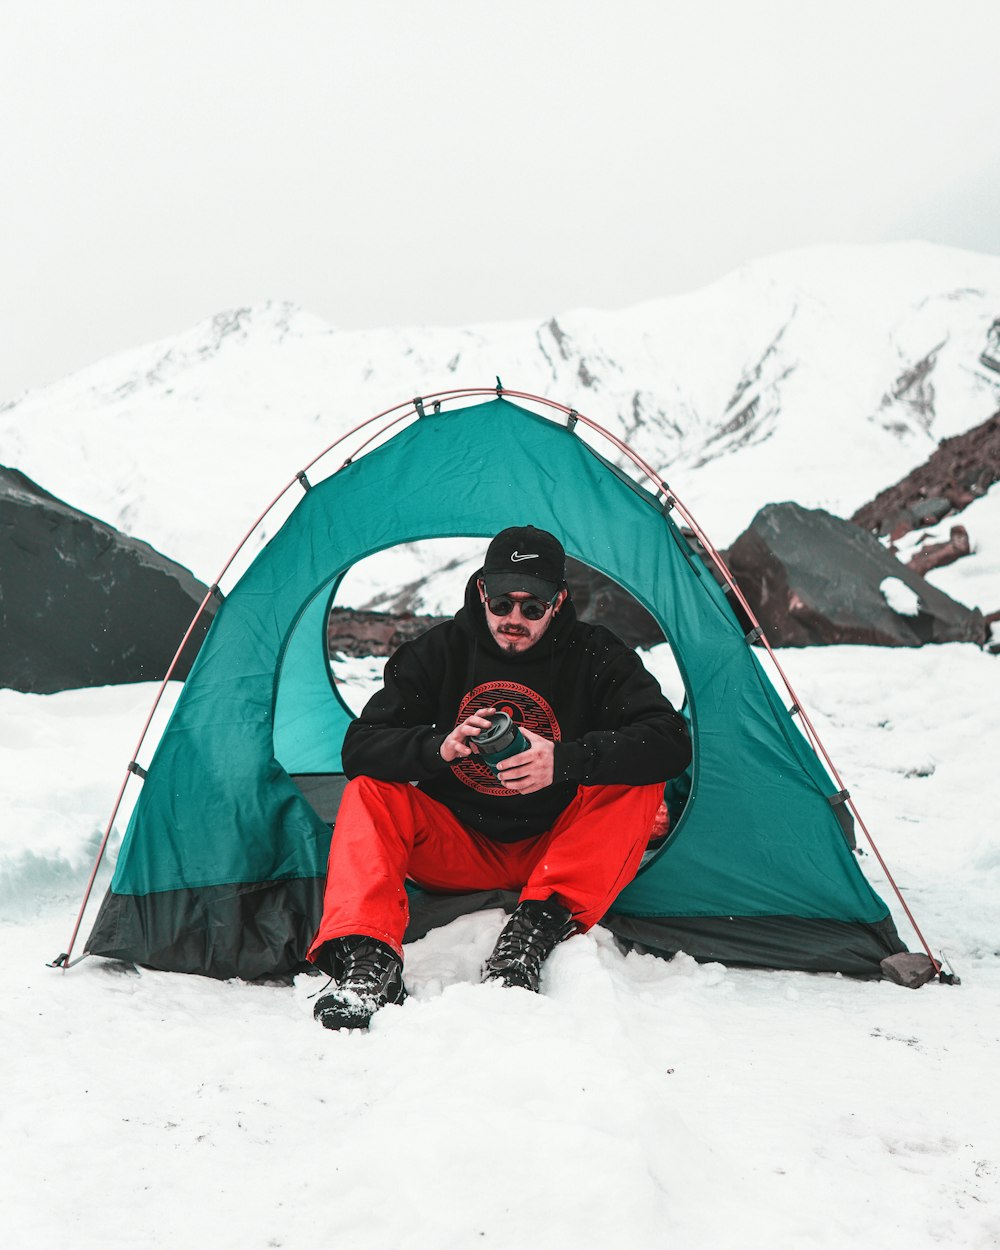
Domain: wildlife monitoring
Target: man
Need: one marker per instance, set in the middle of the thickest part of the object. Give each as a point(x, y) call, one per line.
point(564, 822)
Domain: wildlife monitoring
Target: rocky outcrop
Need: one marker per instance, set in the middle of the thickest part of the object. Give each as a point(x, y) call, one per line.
point(82, 604)
point(937, 555)
point(814, 578)
point(603, 602)
point(597, 599)
point(960, 471)
point(353, 632)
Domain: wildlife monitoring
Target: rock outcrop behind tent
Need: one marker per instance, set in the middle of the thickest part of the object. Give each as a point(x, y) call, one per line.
point(597, 598)
point(82, 604)
point(961, 470)
point(361, 633)
point(814, 578)
point(603, 602)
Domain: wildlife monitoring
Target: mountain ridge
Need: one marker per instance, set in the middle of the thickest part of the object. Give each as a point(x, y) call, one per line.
point(821, 375)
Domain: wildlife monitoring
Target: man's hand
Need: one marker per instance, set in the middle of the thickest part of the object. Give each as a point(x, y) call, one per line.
point(456, 745)
point(531, 770)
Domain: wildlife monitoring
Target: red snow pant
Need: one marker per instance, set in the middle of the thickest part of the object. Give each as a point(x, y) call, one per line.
point(387, 831)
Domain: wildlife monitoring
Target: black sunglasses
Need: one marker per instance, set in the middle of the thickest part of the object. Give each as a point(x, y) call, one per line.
point(532, 609)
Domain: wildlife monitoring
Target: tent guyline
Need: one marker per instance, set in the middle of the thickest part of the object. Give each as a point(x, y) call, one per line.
point(376, 430)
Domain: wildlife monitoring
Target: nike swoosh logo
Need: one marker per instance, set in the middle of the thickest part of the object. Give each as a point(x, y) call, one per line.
point(515, 555)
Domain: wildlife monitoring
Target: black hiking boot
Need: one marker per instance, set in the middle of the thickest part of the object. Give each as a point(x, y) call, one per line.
point(369, 975)
point(531, 934)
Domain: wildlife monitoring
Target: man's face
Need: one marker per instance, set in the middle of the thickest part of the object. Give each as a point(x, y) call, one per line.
point(515, 633)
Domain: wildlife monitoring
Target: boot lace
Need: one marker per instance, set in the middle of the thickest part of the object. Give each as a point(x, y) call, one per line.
point(525, 944)
point(366, 966)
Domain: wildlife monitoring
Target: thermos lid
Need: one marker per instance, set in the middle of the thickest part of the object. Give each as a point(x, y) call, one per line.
point(500, 734)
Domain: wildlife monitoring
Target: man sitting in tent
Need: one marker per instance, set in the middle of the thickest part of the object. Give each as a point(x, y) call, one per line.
point(562, 816)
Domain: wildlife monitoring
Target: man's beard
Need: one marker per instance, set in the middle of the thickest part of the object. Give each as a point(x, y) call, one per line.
point(509, 636)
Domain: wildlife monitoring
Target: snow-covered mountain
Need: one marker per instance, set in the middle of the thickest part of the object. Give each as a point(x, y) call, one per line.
point(818, 375)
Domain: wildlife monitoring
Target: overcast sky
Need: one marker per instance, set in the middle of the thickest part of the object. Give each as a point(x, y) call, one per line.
point(461, 161)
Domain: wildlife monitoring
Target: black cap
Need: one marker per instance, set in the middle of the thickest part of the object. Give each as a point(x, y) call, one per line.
point(527, 559)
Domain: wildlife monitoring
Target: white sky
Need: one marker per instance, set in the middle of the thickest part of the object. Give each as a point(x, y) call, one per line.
point(460, 161)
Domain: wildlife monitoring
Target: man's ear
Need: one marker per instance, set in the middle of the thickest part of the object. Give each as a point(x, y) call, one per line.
point(560, 599)
point(481, 587)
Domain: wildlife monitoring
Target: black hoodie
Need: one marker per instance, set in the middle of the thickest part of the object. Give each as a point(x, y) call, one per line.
point(579, 686)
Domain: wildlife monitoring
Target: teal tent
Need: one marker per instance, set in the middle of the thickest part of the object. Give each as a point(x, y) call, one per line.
point(222, 866)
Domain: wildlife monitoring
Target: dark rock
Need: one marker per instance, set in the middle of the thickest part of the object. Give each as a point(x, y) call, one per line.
point(923, 512)
point(357, 632)
point(909, 970)
point(811, 577)
point(82, 604)
point(937, 555)
point(961, 470)
point(602, 601)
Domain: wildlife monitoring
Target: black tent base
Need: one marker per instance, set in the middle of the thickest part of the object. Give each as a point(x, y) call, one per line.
point(788, 942)
point(261, 931)
point(254, 931)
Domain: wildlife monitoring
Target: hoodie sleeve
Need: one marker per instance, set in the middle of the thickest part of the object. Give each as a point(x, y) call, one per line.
point(639, 738)
point(395, 738)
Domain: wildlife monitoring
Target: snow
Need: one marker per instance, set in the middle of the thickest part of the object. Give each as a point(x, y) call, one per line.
point(59, 756)
point(634, 1102)
point(900, 597)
